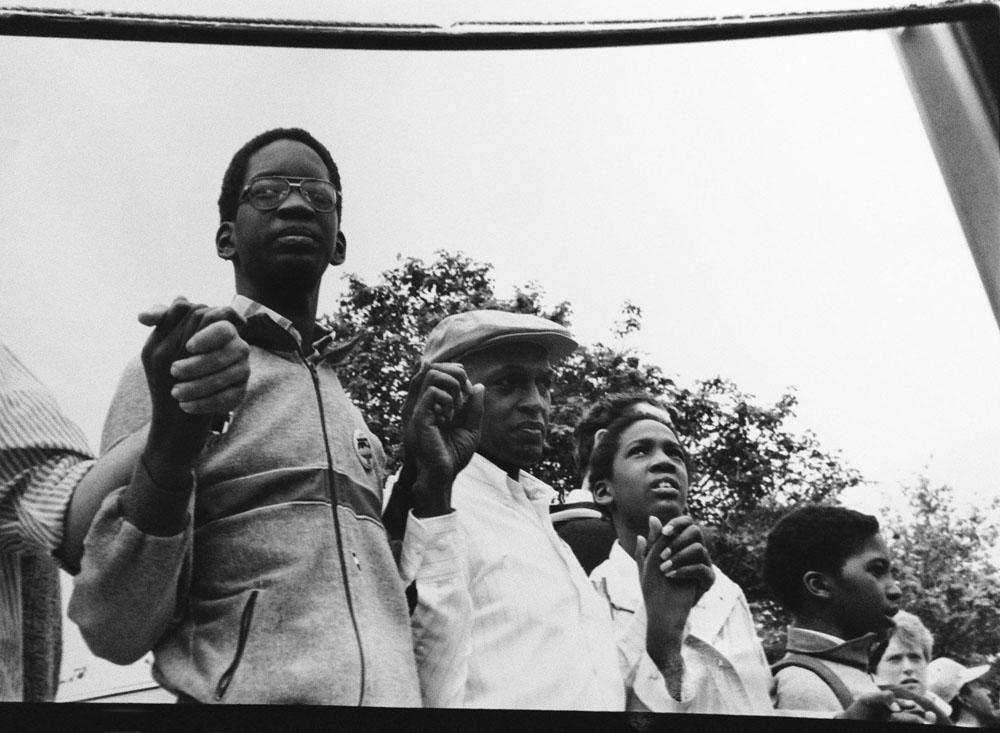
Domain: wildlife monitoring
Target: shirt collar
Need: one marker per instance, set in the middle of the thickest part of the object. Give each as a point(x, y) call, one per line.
point(259, 329)
point(247, 308)
point(834, 640)
point(853, 652)
point(623, 586)
point(534, 489)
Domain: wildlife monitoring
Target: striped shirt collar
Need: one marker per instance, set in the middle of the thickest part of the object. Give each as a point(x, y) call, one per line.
point(246, 308)
point(324, 348)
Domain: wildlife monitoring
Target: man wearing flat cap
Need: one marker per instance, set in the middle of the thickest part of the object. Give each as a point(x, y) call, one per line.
point(524, 628)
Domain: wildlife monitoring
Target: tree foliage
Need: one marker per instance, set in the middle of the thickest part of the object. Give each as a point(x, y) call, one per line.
point(949, 572)
point(749, 467)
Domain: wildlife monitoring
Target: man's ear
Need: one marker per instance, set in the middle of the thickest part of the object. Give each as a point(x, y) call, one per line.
point(224, 245)
point(602, 492)
point(818, 584)
point(339, 250)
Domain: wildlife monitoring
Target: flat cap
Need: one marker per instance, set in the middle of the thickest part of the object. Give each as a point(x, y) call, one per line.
point(461, 334)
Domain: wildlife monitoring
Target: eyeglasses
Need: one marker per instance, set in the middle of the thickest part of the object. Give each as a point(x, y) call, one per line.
point(265, 194)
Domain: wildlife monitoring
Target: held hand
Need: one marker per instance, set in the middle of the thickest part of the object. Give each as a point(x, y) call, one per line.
point(195, 366)
point(213, 379)
point(441, 432)
point(173, 326)
point(668, 603)
point(668, 596)
point(686, 557)
point(884, 706)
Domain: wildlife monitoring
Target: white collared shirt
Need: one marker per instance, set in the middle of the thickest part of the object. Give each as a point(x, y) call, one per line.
point(725, 670)
point(523, 628)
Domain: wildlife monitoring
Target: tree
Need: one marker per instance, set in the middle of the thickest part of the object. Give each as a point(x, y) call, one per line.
point(949, 574)
point(749, 468)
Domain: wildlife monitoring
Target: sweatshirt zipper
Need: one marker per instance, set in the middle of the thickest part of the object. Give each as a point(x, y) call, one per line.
point(337, 530)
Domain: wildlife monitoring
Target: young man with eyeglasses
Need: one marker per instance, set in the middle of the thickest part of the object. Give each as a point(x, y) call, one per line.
point(257, 568)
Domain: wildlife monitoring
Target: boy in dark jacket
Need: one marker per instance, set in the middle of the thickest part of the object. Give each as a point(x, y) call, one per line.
point(830, 568)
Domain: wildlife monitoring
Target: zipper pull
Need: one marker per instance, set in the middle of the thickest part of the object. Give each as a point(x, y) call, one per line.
point(220, 423)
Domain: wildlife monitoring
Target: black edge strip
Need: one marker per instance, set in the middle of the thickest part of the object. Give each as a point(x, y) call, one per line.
point(465, 36)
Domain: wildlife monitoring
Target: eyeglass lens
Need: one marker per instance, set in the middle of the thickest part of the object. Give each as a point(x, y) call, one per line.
point(268, 193)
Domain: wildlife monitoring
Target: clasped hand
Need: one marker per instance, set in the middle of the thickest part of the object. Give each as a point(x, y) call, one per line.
point(441, 429)
point(675, 570)
point(196, 366)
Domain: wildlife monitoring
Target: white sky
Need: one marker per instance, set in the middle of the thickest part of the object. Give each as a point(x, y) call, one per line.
point(772, 205)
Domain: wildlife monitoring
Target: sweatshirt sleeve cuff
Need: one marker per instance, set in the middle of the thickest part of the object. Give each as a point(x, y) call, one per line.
point(152, 509)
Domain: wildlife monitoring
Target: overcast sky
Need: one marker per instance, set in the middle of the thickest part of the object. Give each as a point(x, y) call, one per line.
point(772, 205)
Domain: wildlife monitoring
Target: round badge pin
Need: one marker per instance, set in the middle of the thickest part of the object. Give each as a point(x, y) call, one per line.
point(363, 448)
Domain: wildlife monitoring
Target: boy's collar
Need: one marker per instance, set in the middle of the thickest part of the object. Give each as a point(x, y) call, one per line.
point(259, 329)
point(852, 652)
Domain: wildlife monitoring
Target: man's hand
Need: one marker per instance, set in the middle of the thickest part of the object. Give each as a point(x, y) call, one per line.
point(885, 706)
point(441, 430)
point(674, 570)
point(213, 380)
point(196, 365)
